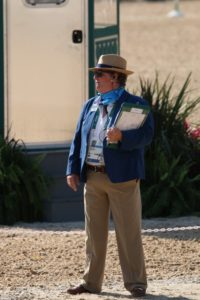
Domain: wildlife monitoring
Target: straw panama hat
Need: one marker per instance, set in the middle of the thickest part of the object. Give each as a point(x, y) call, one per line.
point(112, 62)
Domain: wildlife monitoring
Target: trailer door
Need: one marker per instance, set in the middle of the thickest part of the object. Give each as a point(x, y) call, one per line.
point(46, 68)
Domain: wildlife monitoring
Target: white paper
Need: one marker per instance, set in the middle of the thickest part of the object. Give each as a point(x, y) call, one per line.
point(130, 120)
point(136, 110)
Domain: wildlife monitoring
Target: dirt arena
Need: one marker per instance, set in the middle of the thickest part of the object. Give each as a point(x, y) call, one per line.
point(40, 261)
point(152, 42)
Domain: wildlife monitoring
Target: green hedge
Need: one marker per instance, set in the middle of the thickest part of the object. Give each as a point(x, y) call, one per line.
point(172, 180)
point(23, 185)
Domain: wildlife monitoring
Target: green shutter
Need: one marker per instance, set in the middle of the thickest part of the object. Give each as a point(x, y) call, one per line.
point(101, 41)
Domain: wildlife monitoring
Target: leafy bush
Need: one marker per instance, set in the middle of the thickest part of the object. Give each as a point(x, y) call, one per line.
point(22, 183)
point(172, 180)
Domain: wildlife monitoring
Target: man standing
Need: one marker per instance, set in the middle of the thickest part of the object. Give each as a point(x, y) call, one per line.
point(111, 163)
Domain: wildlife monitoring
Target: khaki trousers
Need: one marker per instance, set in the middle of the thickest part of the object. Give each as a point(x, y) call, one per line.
point(124, 201)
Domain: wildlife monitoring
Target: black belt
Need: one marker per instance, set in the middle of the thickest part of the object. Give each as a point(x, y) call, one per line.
point(97, 169)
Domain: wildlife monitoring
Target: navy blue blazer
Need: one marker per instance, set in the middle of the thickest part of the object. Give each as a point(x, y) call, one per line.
point(124, 163)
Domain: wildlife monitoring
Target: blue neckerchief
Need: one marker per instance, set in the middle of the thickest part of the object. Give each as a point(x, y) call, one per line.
point(111, 96)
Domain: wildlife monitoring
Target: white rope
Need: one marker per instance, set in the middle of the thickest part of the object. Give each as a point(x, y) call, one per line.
point(170, 229)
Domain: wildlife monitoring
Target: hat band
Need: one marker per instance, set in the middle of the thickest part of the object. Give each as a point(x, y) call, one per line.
point(107, 66)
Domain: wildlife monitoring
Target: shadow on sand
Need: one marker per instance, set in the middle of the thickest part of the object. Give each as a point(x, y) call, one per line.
point(147, 297)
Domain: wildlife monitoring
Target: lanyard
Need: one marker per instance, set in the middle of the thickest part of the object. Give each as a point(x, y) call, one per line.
point(96, 117)
point(108, 121)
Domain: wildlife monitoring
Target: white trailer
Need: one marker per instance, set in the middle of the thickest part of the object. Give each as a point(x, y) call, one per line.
point(46, 48)
point(46, 70)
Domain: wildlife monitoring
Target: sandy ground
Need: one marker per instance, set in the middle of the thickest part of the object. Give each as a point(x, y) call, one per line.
point(151, 41)
point(41, 260)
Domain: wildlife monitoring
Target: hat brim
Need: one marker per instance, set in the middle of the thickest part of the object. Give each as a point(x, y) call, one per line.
point(126, 72)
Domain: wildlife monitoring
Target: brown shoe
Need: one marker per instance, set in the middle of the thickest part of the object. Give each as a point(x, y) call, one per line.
point(138, 292)
point(77, 290)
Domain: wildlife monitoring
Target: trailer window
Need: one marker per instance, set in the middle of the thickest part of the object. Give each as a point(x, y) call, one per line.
point(105, 13)
point(42, 2)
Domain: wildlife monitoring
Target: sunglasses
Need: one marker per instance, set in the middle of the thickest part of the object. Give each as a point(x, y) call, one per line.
point(99, 74)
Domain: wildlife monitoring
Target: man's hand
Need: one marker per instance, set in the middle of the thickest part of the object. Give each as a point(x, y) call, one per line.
point(73, 181)
point(114, 135)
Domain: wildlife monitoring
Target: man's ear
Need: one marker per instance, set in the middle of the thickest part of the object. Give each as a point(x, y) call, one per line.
point(114, 76)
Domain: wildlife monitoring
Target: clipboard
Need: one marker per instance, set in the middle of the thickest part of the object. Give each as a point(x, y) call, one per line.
point(131, 116)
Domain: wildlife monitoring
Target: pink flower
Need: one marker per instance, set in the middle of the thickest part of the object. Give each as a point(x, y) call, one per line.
point(195, 133)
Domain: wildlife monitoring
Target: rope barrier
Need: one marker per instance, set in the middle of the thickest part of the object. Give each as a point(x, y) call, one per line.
point(170, 229)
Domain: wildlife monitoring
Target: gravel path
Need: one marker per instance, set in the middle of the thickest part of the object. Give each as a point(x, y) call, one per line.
point(41, 260)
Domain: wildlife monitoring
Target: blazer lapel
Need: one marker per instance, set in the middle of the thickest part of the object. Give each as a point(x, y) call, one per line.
point(117, 106)
point(88, 121)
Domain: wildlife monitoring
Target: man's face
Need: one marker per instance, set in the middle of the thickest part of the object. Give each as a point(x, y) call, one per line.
point(103, 81)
